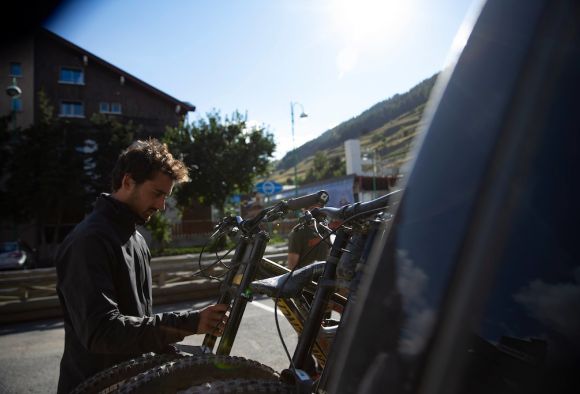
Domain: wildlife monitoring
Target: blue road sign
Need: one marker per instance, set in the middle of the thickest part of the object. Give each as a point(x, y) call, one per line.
point(268, 187)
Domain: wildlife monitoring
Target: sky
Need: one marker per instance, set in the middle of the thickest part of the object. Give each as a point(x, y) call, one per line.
point(331, 59)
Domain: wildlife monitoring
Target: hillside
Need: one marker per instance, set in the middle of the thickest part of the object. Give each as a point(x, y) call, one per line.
point(368, 121)
point(385, 130)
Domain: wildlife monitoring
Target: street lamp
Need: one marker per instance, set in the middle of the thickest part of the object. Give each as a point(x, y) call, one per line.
point(13, 91)
point(302, 115)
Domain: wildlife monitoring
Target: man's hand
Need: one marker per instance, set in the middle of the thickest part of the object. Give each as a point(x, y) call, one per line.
point(212, 319)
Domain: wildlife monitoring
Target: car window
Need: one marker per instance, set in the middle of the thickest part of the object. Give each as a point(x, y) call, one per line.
point(8, 247)
point(476, 287)
point(527, 338)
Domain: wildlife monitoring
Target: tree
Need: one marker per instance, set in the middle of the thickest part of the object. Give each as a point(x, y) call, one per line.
point(324, 168)
point(160, 230)
point(224, 157)
point(44, 176)
point(53, 170)
point(109, 137)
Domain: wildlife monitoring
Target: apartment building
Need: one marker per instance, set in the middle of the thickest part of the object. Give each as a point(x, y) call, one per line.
point(79, 84)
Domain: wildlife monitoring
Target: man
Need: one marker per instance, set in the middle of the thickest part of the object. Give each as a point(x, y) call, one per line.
point(300, 242)
point(104, 277)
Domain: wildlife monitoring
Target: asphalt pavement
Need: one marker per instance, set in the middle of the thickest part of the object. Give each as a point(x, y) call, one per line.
point(30, 352)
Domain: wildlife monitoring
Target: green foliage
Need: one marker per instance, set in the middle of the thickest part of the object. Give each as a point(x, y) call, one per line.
point(44, 174)
point(111, 138)
point(5, 150)
point(324, 168)
point(223, 155)
point(160, 230)
point(54, 169)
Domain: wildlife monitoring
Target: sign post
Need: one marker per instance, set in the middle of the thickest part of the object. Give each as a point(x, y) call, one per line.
point(268, 187)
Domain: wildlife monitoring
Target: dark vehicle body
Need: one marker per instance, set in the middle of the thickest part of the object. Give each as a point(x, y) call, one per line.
point(475, 287)
point(12, 256)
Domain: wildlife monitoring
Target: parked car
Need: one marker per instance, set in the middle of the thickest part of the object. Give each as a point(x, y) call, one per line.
point(12, 256)
point(475, 287)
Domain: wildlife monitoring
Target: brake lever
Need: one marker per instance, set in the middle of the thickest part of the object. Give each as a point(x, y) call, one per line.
point(228, 221)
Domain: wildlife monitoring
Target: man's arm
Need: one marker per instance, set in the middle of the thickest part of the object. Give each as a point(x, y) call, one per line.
point(293, 259)
point(86, 287)
point(293, 249)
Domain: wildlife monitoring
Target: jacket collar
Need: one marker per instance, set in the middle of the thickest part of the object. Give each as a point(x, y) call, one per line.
point(118, 212)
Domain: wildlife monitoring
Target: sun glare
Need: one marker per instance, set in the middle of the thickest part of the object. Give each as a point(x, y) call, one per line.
point(362, 25)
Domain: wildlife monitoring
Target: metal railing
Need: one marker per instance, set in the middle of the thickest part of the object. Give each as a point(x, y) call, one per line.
point(27, 295)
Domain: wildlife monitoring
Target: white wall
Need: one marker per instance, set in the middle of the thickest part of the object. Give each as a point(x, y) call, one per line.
point(352, 155)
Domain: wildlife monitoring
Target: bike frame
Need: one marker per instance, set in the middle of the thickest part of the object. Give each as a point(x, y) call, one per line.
point(247, 265)
point(350, 244)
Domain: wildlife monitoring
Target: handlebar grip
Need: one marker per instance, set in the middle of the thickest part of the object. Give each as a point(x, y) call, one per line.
point(308, 200)
point(358, 208)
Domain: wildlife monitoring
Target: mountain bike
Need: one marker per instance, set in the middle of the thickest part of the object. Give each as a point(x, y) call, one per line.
point(361, 223)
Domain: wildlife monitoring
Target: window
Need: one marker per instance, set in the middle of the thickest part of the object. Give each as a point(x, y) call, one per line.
point(15, 69)
point(16, 105)
point(72, 75)
point(109, 108)
point(72, 109)
point(116, 108)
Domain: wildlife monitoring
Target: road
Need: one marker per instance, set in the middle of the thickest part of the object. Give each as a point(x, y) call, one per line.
point(30, 352)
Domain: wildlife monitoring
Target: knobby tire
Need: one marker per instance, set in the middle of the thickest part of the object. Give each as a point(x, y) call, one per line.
point(178, 375)
point(111, 378)
point(242, 386)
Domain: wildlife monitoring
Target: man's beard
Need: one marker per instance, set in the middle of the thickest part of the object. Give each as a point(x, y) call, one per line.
point(142, 217)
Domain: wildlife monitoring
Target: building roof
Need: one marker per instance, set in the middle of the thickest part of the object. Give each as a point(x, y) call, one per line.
point(184, 105)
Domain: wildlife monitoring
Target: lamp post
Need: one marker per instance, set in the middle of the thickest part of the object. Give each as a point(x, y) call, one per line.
point(302, 115)
point(14, 92)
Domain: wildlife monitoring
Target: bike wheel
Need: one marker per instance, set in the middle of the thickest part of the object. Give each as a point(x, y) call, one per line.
point(242, 386)
point(180, 374)
point(111, 378)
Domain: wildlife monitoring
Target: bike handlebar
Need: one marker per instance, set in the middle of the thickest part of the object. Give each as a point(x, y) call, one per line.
point(358, 208)
point(308, 200)
point(272, 213)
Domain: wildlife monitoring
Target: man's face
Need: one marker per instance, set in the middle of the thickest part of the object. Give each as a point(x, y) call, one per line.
point(149, 197)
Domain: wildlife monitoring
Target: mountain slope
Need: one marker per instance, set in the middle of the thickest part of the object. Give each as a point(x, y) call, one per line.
point(389, 144)
point(368, 121)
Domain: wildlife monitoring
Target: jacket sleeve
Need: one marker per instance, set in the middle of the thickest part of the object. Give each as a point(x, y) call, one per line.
point(294, 245)
point(89, 297)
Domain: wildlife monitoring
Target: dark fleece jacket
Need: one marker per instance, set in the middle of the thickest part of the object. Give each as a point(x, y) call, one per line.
point(104, 287)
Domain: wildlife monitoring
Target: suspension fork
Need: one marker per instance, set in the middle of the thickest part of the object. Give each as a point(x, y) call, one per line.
point(225, 293)
point(321, 297)
point(247, 269)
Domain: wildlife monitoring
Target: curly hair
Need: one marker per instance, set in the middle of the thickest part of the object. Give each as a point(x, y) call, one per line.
point(143, 158)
